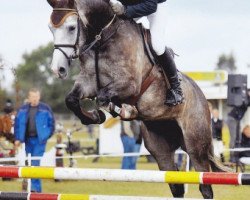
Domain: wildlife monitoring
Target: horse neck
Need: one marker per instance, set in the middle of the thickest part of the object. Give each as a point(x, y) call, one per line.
point(130, 33)
point(126, 36)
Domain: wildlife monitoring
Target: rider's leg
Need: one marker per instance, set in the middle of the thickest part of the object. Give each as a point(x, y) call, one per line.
point(174, 94)
point(165, 59)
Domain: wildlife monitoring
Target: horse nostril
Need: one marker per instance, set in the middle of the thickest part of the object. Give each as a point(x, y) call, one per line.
point(62, 70)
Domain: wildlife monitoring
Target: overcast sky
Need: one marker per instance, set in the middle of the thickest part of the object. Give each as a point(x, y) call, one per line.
point(198, 30)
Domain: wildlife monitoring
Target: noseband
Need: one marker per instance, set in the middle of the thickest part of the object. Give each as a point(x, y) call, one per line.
point(74, 46)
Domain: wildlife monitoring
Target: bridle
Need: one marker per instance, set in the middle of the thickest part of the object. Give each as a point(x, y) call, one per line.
point(85, 48)
point(74, 46)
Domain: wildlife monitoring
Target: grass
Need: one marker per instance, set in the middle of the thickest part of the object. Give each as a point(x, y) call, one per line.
point(221, 192)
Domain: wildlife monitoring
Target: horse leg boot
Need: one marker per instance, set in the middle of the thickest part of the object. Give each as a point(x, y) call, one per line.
point(174, 94)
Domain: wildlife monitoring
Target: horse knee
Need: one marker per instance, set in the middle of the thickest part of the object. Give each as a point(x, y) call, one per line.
point(71, 101)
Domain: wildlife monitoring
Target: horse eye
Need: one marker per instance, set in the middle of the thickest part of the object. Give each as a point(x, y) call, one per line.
point(72, 28)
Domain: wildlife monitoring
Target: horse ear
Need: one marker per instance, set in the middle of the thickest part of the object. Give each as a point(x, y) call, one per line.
point(81, 10)
point(52, 3)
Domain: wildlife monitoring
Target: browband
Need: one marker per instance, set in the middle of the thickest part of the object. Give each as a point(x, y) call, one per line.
point(56, 25)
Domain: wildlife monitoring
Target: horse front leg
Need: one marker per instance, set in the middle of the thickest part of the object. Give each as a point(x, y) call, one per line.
point(126, 111)
point(72, 101)
point(110, 101)
point(109, 98)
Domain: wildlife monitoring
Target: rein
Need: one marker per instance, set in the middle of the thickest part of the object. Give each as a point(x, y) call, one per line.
point(93, 45)
point(98, 37)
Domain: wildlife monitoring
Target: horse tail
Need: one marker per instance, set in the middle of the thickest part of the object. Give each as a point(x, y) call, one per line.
point(216, 165)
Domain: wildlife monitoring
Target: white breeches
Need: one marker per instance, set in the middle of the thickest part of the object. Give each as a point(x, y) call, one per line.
point(157, 26)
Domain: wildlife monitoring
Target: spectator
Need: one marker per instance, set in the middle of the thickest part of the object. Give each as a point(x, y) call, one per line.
point(245, 141)
point(90, 130)
point(34, 125)
point(210, 106)
point(137, 129)
point(234, 117)
point(217, 125)
point(7, 121)
point(131, 140)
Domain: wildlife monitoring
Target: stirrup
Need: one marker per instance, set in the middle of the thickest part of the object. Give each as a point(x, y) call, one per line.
point(172, 98)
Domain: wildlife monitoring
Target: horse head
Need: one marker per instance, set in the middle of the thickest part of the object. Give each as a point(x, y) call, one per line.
point(64, 27)
point(72, 29)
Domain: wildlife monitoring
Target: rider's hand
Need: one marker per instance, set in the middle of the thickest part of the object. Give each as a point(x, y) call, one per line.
point(117, 7)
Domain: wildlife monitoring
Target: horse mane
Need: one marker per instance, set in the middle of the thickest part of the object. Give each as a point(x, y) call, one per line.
point(98, 13)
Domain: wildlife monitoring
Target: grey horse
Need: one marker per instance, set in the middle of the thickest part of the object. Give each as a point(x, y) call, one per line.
point(114, 67)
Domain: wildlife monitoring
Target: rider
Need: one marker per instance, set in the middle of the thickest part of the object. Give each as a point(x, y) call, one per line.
point(155, 10)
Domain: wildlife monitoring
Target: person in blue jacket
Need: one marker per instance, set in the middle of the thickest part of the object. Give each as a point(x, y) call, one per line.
point(156, 12)
point(34, 125)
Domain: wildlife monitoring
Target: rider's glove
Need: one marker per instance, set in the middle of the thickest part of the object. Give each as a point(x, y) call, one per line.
point(117, 7)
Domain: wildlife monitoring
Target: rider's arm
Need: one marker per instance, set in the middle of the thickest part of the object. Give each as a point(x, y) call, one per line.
point(144, 8)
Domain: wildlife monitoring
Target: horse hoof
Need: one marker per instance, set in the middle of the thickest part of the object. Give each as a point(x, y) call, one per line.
point(102, 117)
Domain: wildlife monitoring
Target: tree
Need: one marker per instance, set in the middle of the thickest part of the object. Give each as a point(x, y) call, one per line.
point(3, 92)
point(227, 62)
point(35, 71)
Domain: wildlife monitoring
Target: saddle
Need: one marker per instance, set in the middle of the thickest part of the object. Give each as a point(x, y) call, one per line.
point(147, 42)
point(146, 35)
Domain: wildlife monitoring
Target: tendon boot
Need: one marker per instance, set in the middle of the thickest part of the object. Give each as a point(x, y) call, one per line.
point(174, 94)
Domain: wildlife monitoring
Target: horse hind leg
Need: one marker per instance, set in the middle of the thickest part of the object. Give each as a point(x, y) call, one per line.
point(203, 166)
point(198, 152)
point(160, 149)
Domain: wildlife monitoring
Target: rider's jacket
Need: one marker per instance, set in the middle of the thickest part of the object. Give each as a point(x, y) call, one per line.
point(140, 8)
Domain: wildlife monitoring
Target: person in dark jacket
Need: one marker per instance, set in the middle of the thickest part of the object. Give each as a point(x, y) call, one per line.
point(34, 125)
point(217, 125)
point(245, 141)
point(7, 121)
point(155, 10)
point(234, 117)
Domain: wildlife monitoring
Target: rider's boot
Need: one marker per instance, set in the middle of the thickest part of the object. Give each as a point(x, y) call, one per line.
point(174, 94)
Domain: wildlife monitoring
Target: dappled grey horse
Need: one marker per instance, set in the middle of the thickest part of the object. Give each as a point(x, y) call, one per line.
point(116, 70)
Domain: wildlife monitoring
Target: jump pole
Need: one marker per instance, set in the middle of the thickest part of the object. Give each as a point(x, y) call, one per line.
point(43, 196)
point(126, 175)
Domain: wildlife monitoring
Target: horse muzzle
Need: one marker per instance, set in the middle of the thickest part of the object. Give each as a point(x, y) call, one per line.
point(62, 72)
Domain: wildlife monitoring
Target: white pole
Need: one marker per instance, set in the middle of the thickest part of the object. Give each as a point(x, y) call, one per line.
point(220, 106)
point(187, 169)
point(29, 180)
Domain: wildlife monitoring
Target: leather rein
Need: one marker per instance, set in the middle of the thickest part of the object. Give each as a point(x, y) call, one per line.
point(96, 45)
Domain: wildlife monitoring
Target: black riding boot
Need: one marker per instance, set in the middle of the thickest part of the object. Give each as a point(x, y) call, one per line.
point(174, 94)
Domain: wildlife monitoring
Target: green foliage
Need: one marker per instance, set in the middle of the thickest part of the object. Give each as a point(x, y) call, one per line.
point(35, 71)
point(227, 62)
point(3, 93)
point(3, 97)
